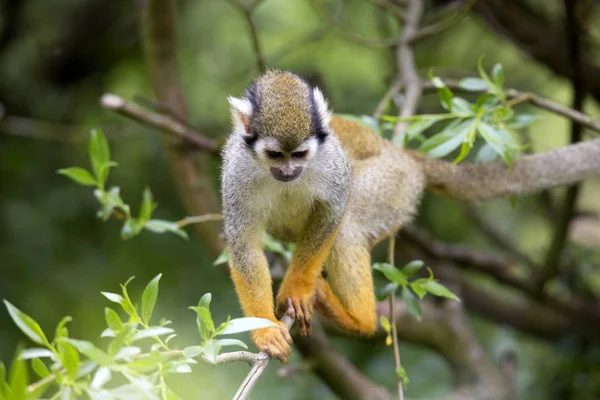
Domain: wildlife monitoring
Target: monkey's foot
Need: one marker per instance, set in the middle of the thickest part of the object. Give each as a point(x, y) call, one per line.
point(275, 341)
point(303, 306)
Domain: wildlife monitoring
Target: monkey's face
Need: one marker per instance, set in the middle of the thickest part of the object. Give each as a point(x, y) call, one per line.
point(285, 166)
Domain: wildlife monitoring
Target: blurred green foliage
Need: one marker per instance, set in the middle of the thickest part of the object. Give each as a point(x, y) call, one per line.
point(56, 256)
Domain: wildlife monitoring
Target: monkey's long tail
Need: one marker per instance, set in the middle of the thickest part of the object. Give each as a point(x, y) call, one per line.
point(484, 181)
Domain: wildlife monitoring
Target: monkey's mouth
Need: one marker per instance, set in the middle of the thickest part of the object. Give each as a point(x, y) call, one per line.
point(286, 176)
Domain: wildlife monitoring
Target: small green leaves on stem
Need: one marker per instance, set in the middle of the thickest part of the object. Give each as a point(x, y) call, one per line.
point(412, 289)
point(111, 203)
point(490, 117)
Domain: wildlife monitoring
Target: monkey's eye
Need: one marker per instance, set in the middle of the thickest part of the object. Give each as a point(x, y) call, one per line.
point(300, 154)
point(274, 154)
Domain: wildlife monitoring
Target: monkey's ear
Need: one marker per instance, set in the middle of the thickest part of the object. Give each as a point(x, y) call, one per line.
point(322, 107)
point(241, 111)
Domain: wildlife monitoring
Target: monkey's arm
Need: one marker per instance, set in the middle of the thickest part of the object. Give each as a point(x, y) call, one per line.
point(252, 280)
point(307, 262)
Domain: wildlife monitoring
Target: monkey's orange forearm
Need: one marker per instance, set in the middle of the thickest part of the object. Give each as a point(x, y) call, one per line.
point(254, 290)
point(305, 268)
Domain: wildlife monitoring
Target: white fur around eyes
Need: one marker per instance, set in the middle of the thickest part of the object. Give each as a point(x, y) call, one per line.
point(322, 106)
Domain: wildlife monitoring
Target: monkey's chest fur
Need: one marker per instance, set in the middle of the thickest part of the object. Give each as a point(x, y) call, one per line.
point(286, 209)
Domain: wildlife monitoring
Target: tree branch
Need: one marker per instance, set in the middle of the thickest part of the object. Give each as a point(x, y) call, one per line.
point(405, 61)
point(439, 27)
point(166, 123)
point(559, 239)
point(192, 175)
point(335, 370)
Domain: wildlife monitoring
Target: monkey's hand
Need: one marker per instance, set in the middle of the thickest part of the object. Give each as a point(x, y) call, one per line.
point(301, 298)
point(275, 341)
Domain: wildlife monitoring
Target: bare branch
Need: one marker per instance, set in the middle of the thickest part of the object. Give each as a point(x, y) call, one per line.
point(351, 35)
point(439, 27)
point(258, 367)
point(533, 99)
point(247, 11)
point(405, 61)
point(167, 123)
point(191, 172)
point(392, 302)
point(559, 239)
point(198, 219)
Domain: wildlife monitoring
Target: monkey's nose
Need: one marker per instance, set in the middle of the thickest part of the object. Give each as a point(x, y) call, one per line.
point(285, 176)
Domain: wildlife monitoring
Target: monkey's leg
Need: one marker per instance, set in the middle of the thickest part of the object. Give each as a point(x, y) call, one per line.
point(312, 250)
point(347, 296)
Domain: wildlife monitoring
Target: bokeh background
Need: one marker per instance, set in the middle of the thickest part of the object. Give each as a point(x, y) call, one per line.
point(57, 57)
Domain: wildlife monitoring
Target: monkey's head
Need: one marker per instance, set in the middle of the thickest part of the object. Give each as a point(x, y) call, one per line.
point(283, 122)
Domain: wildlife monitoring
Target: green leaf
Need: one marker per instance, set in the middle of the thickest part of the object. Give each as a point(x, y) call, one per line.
point(99, 155)
point(415, 129)
point(115, 298)
point(384, 292)
point(465, 149)
point(192, 351)
point(392, 273)
point(502, 113)
point(127, 305)
point(500, 141)
point(445, 142)
point(160, 226)
point(112, 320)
point(486, 154)
point(206, 326)
point(211, 350)
point(70, 359)
point(498, 74)
point(35, 352)
point(18, 378)
point(4, 389)
point(149, 299)
point(412, 268)
point(238, 325)
point(91, 351)
point(61, 330)
point(438, 289)
point(418, 288)
point(148, 205)
point(205, 300)
point(412, 303)
point(473, 84)
point(231, 342)
point(131, 228)
point(521, 121)
point(223, 258)
point(101, 378)
point(482, 72)
point(461, 106)
point(40, 368)
point(444, 93)
point(401, 372)
point(385, 324)
point(486, 102)
point(27, 325)
point(153, 331)
point(113, 197)
point(79, 175)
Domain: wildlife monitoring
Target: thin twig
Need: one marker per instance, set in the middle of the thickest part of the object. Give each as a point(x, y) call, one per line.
point(439, 27)
point(198, 219)
point(561, 233)
point(387, 97)
point(247, 11)
point(258, 367)
point(351, 35)
point(165, 122)
point(405, 60)
point(533, 99)
point(392, 299)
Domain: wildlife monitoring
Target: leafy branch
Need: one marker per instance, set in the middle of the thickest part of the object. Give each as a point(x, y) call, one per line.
point(71, 367)
point(110, 199)
point(490, 116)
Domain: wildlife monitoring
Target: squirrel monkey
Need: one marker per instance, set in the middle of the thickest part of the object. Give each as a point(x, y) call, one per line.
point(329, 185)
point(336, 188)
